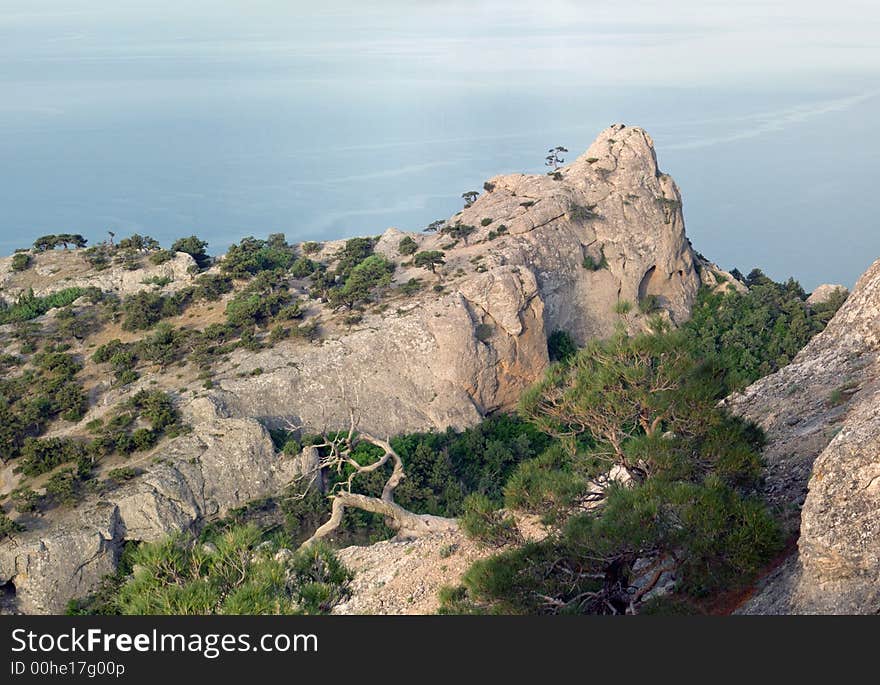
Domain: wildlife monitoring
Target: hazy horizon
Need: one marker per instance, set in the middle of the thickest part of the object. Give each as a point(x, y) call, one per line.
point(237, 119)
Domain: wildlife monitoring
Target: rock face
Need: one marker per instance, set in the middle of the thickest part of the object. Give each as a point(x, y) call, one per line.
point(54, 271)
point(222, 464)
point(448, 359)
point(541, 254)
point(822, 417)
point(404, 577)
point(825, 292)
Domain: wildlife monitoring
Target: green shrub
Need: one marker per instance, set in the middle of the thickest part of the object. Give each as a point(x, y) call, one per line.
point(251, 256)
point(30, 307)
point(195, 248)
point(757, 332)
point(234, 574)
point(161, 256)
point(484, 522)
point(483, 332)
point(411, 287)
point(429, 259)
point(581, 213)
point(40, 455)
point(590, 263)
point(407, 246)
point(21, 261)
point(364, 280)
point(25, 499)
point(561, 346)
point(303, 267)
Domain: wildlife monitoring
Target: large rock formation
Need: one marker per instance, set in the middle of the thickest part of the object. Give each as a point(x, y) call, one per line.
point(448, 359)
point(223, 464)
point(547, 253)
point(822, 417)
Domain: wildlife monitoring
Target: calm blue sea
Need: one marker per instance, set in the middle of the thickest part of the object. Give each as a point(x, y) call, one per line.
point(784, 179)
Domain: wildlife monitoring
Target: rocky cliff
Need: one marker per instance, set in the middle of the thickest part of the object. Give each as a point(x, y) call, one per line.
point(547, 253)
point(531, 255)
point(822, 418)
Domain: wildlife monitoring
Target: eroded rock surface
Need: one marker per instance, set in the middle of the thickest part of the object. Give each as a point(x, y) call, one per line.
point(822, 417)
point(222, 464)
point(447, 359)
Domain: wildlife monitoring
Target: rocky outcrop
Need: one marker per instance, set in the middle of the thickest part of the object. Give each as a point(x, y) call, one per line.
point(825, 292)
point(54, 271)
point(546, 253)
point(823, 426)
point(405, 576)
point(222, 464)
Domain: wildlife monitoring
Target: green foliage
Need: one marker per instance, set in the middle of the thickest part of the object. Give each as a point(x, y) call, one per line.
point(63, 487)
point(442, 469)
point(161, 256)
point(363, 281)
point(350, 255)
point(257, 304)
point(590, 263)
point(407, 246)
point(210, 287)
point(622, 307)
point(484, 522)
point(122, 474)
point(28, 306)
point(145, 309)
point(40, 455)
point(581, 213)
point(25, 499)
point(156, 407)
point(138, 243)
point(429, 259)
point(21, 261)
point(757, 332)
point(234, 571)
point(158, 281)
point(8, 527)
point(251, 256)
point(303, 267)
point(483, 332)
point(311, 247)
point(458, 231)
point(561, 346)
point(412, 286)
point(649, 304)
point(195, 248)
point(647, 407)
point(29, 401)
point(50, 242)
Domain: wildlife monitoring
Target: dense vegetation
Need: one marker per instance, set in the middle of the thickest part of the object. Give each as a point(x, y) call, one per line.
point(232, 571)
point(755, 333)
point(644, 471)
point(646, 478)
point(28, 306)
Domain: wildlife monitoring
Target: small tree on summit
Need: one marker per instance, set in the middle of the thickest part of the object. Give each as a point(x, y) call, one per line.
point(554, 158)
point(469, 198)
